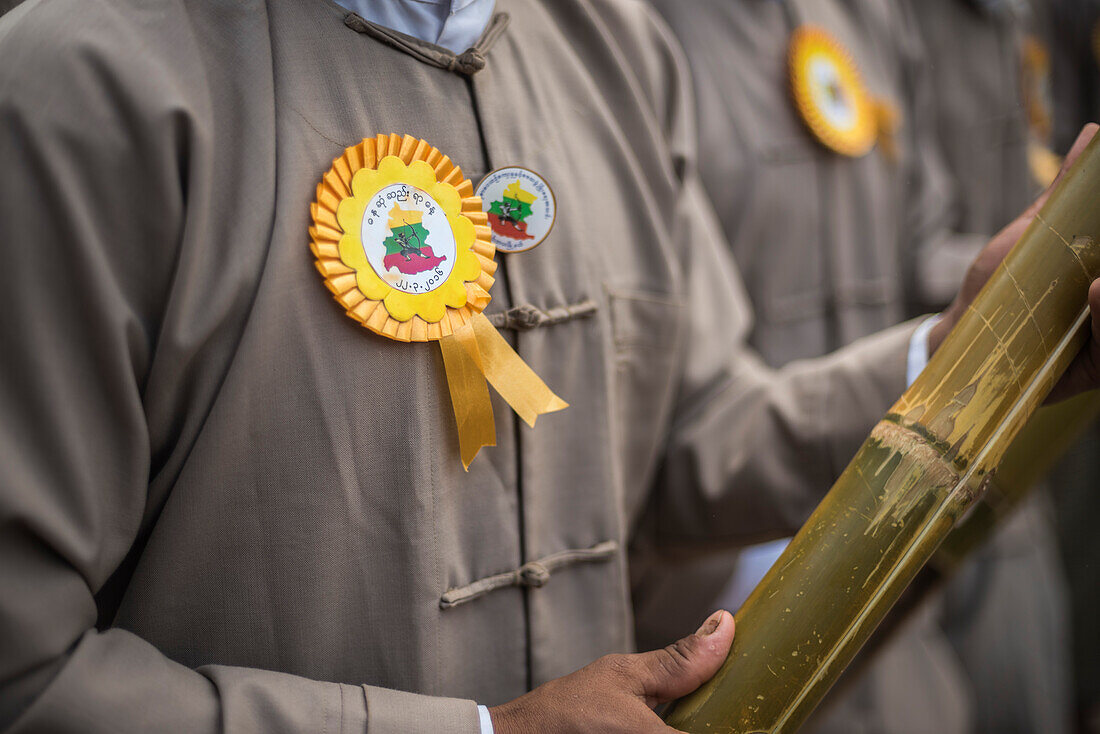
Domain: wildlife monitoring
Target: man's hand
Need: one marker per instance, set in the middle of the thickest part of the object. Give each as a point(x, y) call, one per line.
point(1084, 373)
point(617, 693)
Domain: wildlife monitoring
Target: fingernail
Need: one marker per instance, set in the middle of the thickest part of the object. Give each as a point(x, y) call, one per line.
point(711, 624)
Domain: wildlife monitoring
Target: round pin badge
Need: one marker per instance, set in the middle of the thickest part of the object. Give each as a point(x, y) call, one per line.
point(829, 92)
point(520, 206)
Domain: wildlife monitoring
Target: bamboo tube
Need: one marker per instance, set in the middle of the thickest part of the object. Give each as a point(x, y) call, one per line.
point(916, 475)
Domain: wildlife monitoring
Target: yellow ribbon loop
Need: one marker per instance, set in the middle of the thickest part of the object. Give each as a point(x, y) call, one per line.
point(510, 376)
point(477, 353)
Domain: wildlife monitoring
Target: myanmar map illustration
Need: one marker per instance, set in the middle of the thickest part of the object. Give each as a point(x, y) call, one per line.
point(507, 216)
point(406, 247)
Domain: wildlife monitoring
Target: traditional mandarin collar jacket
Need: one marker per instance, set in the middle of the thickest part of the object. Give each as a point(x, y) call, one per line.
point(228, 507)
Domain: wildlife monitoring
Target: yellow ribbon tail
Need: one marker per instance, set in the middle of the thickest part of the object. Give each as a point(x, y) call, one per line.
point(1043, 162)
point(887, 123)
point(469, 394)
point(474, 353)
point(510, 376)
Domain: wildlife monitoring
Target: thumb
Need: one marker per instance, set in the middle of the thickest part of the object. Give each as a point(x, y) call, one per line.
point(686, 664)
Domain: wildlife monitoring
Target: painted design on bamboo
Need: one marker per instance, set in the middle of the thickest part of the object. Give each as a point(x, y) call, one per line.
point(829, 92)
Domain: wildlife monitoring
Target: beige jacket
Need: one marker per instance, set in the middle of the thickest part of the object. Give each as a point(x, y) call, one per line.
point(832, 248)
point(224, 506)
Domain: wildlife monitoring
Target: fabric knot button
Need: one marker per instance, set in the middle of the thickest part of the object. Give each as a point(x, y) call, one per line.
point(469, 61)
point(525, 317)
point(355, 22)
point(533, 575)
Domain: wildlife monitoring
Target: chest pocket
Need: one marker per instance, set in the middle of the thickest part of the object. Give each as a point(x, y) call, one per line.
point(646, 343)
point(781, 245)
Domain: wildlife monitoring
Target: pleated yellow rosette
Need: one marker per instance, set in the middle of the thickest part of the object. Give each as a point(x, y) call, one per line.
point(403, 244)
point(829, 93)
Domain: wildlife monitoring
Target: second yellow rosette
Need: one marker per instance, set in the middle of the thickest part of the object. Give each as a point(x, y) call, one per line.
point(829, 93)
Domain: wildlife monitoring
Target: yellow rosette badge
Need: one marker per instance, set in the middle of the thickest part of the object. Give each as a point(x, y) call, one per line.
point(404, 246)
point(829, 93)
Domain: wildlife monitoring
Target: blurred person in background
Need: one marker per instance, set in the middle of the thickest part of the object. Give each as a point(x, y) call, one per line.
point(837, 243)
point(1072, 34)
point(1073, 37)
point(991, 100)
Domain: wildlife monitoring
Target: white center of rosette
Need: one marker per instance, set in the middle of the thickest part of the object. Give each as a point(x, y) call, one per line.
point(407, 239)
point(829, 93)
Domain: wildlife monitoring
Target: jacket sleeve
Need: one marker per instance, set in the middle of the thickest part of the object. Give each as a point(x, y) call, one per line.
point(96, 130)
point(752, 449)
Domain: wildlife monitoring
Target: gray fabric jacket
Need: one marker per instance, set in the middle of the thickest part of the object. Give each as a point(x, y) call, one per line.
point(224, 506)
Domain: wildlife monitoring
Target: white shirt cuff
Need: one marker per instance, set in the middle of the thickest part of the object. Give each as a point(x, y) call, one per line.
point(483, 718)
point(918, 349)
